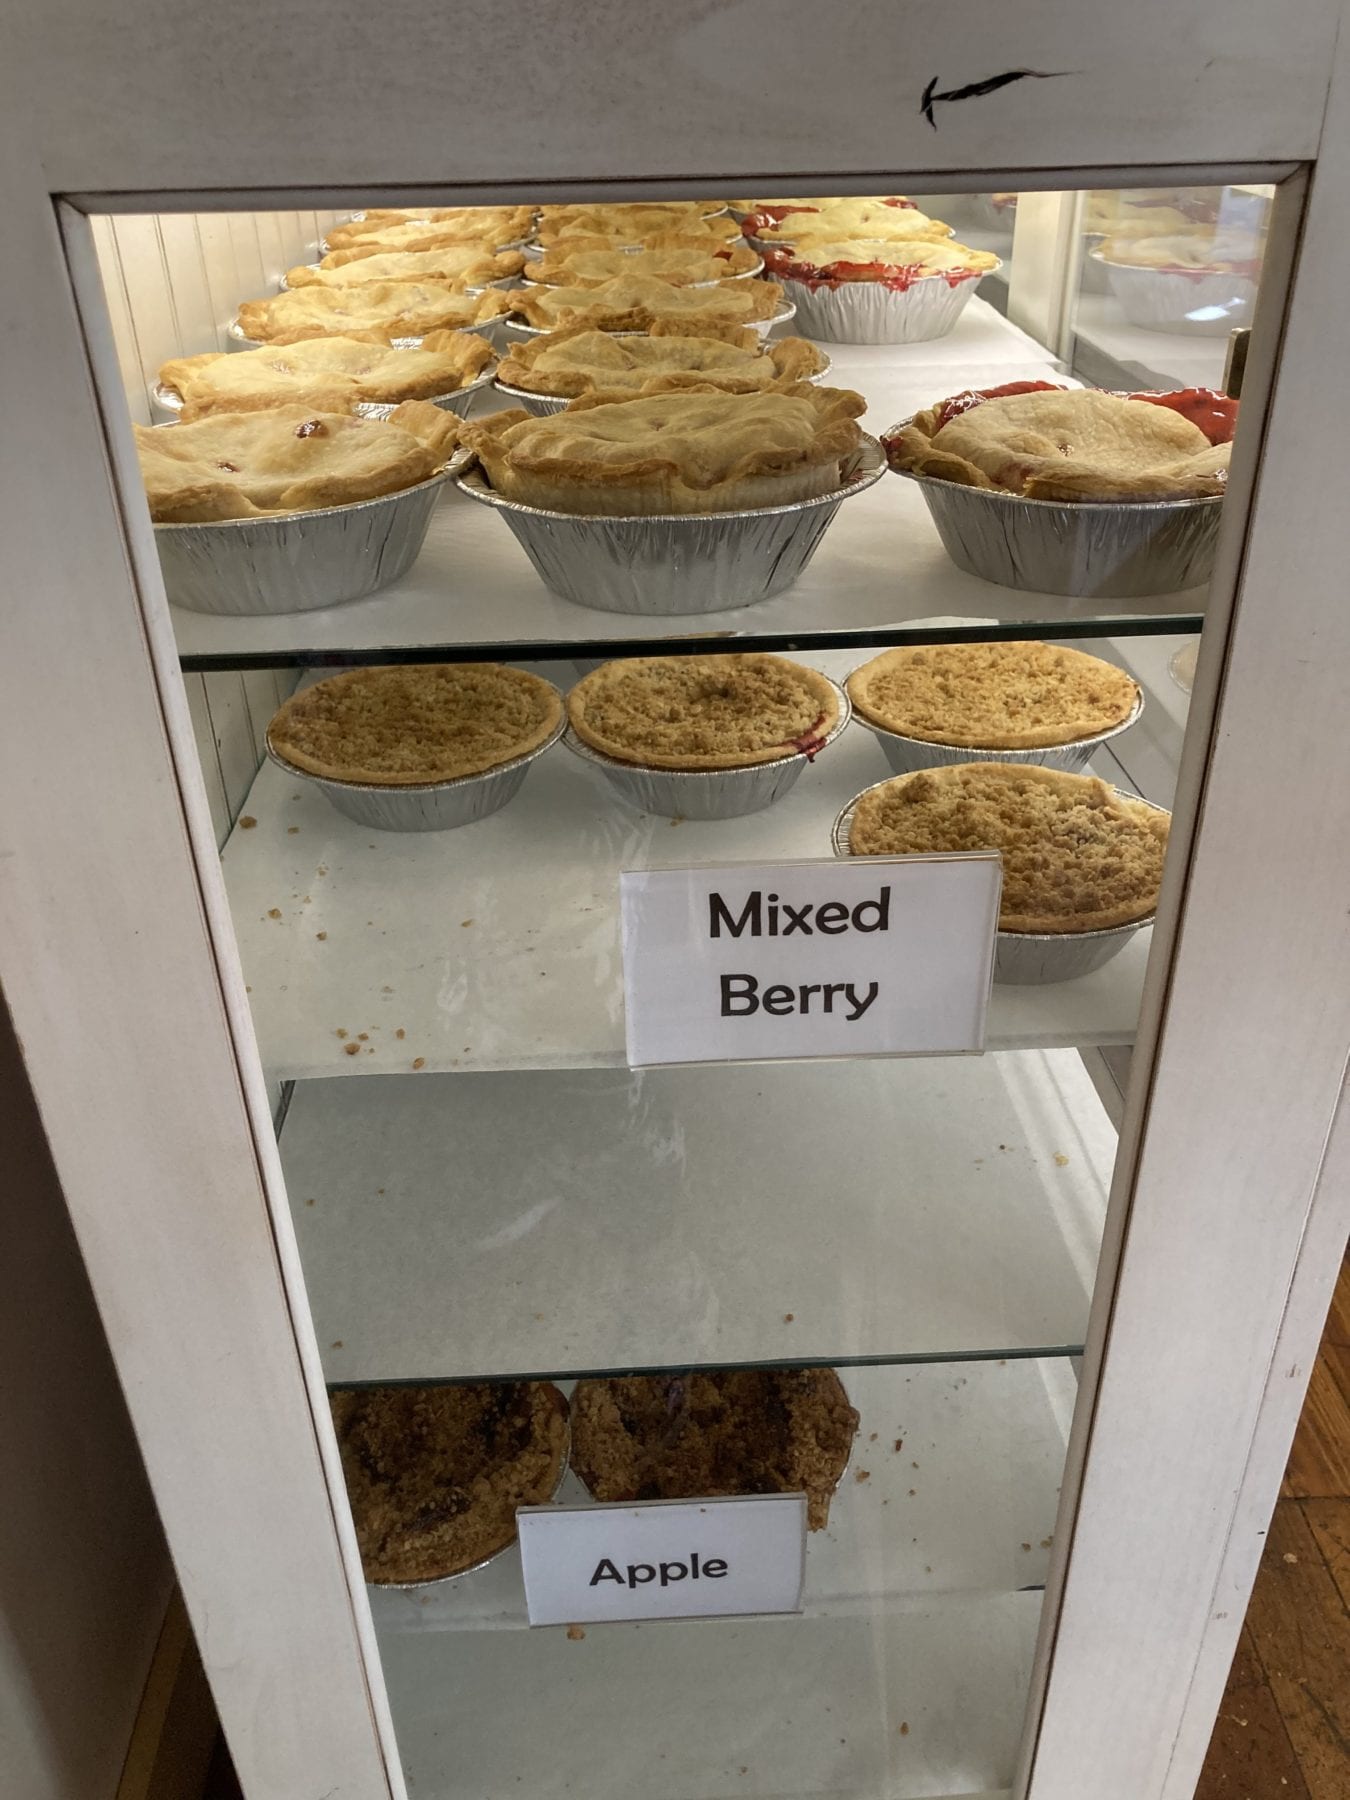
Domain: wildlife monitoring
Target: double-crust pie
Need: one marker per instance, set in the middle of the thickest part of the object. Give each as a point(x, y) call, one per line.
point(415, 724)
point(463, 264)
point(565, 364)
point(434, 1474)
point(587, 264)
point(686, 228)
point(392, 308)
point(703, 712)
point(494, 226)
point(884, 218)
point(833, 263)
point(1077, 855)
point(246, 465)
point(631, 302)
point(693, 451)
point(612, 219)
point(1049, 443)
point(997, 696)
point(712, 1433)
point(329, 374)
point(1197, 252)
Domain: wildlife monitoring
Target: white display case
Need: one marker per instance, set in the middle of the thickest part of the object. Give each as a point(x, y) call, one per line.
point(333, 1106)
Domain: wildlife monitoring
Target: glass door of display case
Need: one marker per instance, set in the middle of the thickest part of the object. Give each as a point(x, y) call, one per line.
point(705, 796)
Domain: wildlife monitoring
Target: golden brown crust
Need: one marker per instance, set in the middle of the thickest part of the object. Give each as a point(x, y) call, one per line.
point(460, 265)
point(1065, 444)
point(287, 459)
point(590, 262)
point(627, 233)
point(639, 302)
point(393, 308)
point(834, 260)
point(330, 374)
point(1198, 248)
point(493, 226)
point(694, 451)
point(415, 724)
point(992, 696)
point(703, 712)
point(434, 1474)
point(875, 217)
point(609, 218)
point(714, 1432)
point(1077, 855)
point(566, 364)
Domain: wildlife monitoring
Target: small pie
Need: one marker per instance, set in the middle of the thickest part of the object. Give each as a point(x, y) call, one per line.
point(685, 228)
point(394, 308)
point(492, 225)
point(1077, 855)
point(884, 219)
point(434, 1474)
point(997, 696)
point(329, 374)
point(695, 451)
point(613, 218)
point(712, 1433)
point(414, 724)
point(821, 262)
point(1051, 443)
point(290, 459)
point(703, 712)
point(1199, 251)
point(565, 364)
point(631, 302)
point(587, 264)
point(464, 265)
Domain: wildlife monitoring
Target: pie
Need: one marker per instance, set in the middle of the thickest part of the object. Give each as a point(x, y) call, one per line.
point(329, 374)
point(605, 230)
point(998, 696)
point(414, 724)
point(712, 1433)
point(1199, 251)
point(394, 308)
point(1049, 443)
point(465, 265)
point(822, 262)
point(703, 712)
point(612, 219)
point(1077, 855)
point(246, 465)
point(434, 1474)
point(884, 219)
point(695, 451)
point(581, 361)
point(589, 263)
point(1148, 214)
point(491, 225)
point(632, 302)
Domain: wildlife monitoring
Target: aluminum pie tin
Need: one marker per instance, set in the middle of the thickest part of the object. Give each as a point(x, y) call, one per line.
point(706, 793)
point(169, 400)
point(1197, 305)
point(1107, 549)
point(868, 312)
point(297, 561)
point(518, 328)
point(632, 250)
point(1034, 958)
point(674, 564)
point(439, 806)
point(906, 754)
point(541, 405)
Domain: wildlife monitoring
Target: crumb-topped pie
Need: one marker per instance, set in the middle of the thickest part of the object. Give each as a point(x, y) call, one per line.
point(565, 364)
point(630, 302)
point(494, 226)
point(330, 374)
point(703, 712)
point(1017, 696)
point(687, 452)
point(414, 724)
point(1050, 443)
point(885, 219)
point(714, 1432)
point(587, 264)
point(831, 263)
point(393, 308)
point(434, 1474)
point(464, 265)
point(1077, 855)
point(289, 459)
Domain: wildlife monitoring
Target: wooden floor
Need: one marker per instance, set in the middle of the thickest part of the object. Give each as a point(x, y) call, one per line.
point(1283, 1732)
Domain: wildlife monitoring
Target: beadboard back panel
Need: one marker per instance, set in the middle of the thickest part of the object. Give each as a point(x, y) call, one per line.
point(173, 283)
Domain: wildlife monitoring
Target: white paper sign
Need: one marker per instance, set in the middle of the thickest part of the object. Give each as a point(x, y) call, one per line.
point(850, 957)
point(665, 1559)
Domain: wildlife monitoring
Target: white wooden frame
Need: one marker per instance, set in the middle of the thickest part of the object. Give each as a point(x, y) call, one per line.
point(116, 950)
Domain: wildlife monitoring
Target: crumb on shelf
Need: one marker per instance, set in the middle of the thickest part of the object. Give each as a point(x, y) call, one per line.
point(872, 1437)
point(341, 1031)
point(419, 1062)
point(904, 1728)
point(291, 830)
point(400, 1032)
point(464, 922)
point(863, 1475)
point(1046, 1543)
point(363, 1037)
point(575, 1634)
point(899, 1446)
point(352, 1049)
point(321, 935)
point(247, 822)
point(309, 1203)
point(274, 912)
point(386, 989)
point(1026, 1546)
point(1061, 1161)
point(788, 1318)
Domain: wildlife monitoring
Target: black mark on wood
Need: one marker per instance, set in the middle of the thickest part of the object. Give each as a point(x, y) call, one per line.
point(990, 85)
